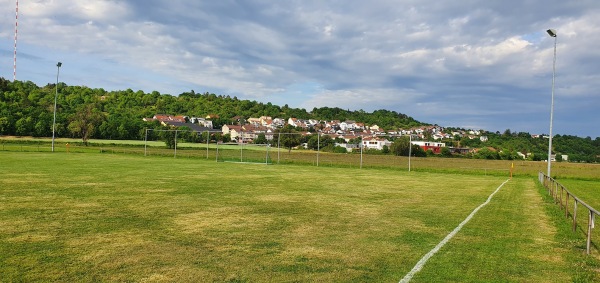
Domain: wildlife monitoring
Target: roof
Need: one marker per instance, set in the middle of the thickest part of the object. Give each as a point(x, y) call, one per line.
point(193, 127)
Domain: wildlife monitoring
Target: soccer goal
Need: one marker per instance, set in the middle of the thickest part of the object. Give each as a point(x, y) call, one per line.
point(244, 153)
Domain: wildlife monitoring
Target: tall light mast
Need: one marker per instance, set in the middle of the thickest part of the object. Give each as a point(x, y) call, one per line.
point(16, 32)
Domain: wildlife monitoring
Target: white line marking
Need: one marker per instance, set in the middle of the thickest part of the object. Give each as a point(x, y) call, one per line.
point(426, 257)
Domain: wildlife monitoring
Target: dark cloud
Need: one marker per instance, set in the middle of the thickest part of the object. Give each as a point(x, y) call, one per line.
point(468, 64)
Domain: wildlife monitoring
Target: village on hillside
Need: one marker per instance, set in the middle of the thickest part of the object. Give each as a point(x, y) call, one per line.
point(370, 136)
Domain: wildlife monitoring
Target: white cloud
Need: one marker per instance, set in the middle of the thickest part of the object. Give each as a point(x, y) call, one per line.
point(443, 60)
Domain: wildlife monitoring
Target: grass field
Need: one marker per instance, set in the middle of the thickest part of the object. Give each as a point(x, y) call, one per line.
point(560, 170)
point(103, 217)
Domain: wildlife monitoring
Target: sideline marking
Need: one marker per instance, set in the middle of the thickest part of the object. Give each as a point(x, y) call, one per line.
point(427, 256)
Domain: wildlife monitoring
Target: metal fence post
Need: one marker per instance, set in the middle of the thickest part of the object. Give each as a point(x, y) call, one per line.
point(362, 144)
point(175, 154)
point(207, 142)
point(318, 146)
point(145, 141)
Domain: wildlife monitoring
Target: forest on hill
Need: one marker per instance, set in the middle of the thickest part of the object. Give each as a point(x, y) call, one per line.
point(27, 110)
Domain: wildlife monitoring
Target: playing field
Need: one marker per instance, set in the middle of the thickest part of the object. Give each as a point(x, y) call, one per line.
point(101, 217)
point(281, 156)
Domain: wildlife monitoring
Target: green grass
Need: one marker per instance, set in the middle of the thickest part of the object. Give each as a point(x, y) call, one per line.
point(492, 248)
point(587, 190)
point(561, 170)
point(99, 217)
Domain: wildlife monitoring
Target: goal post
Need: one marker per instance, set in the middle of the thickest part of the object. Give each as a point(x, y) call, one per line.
point(180, 142)
point(244, 153)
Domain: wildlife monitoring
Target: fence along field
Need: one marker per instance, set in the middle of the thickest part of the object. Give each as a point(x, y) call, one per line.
point(123, 217)
point(570, 202)
point(280, 155)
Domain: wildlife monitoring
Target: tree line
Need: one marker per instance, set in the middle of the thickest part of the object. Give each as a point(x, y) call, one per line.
point(27, 110)
point(82, 112)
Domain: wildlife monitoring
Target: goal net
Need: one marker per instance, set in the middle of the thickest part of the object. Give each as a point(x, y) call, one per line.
point(244, 153)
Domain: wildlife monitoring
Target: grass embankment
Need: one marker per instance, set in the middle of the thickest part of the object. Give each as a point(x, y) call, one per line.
point(84, 217)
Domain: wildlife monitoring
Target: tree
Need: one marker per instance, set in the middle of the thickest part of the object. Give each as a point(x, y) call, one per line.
point(4, 125)
point(320, 142)
point(289, 138)
point(186, 134)
point(385, 149)
point(225, 137)
point(400, 147)
point(445, 152)
point(261, 139)
point(168, 136)
point(559, 158)
point(486, 153)
point(85, 122)
point(24, 126)
point(418, 151)
point(204, 137)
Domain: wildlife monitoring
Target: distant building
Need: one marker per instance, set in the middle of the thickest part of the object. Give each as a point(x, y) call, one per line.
point(435, 147)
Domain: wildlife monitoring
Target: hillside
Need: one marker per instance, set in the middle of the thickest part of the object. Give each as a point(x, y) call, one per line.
point(27, 110)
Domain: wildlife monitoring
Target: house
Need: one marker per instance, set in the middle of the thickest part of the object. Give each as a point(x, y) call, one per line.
point(163, 118)
point(435, 147)
point(298, 123)
point(347, 125)
point(254, 121)
point(278, 123)
point(460, 150)
point(293, 122)
point(438, 136)
point(234, 131)
point(459, 134)
point(202, 121)
point(312, 122)
point(266, 121)
point(194, 127)
point(334, 124)
point(375, 143)
point(348, 146)
point(182, 121)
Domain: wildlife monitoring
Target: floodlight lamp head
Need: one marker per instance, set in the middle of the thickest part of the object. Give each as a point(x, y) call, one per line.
point(551, 32)
point(59, 64)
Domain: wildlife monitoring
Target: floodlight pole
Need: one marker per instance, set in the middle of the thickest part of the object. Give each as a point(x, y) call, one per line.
point(55, 98)
point(552, 33)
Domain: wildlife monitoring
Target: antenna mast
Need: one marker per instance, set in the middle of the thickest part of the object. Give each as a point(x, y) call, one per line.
point(16, 29)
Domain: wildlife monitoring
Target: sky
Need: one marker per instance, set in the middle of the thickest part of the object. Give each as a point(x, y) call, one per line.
point(468, 64)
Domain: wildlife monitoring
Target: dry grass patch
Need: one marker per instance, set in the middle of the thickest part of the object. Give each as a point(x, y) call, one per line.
point(221, 219)
point(117, 218)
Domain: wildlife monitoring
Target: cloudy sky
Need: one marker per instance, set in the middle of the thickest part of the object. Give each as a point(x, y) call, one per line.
point(472, 64)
